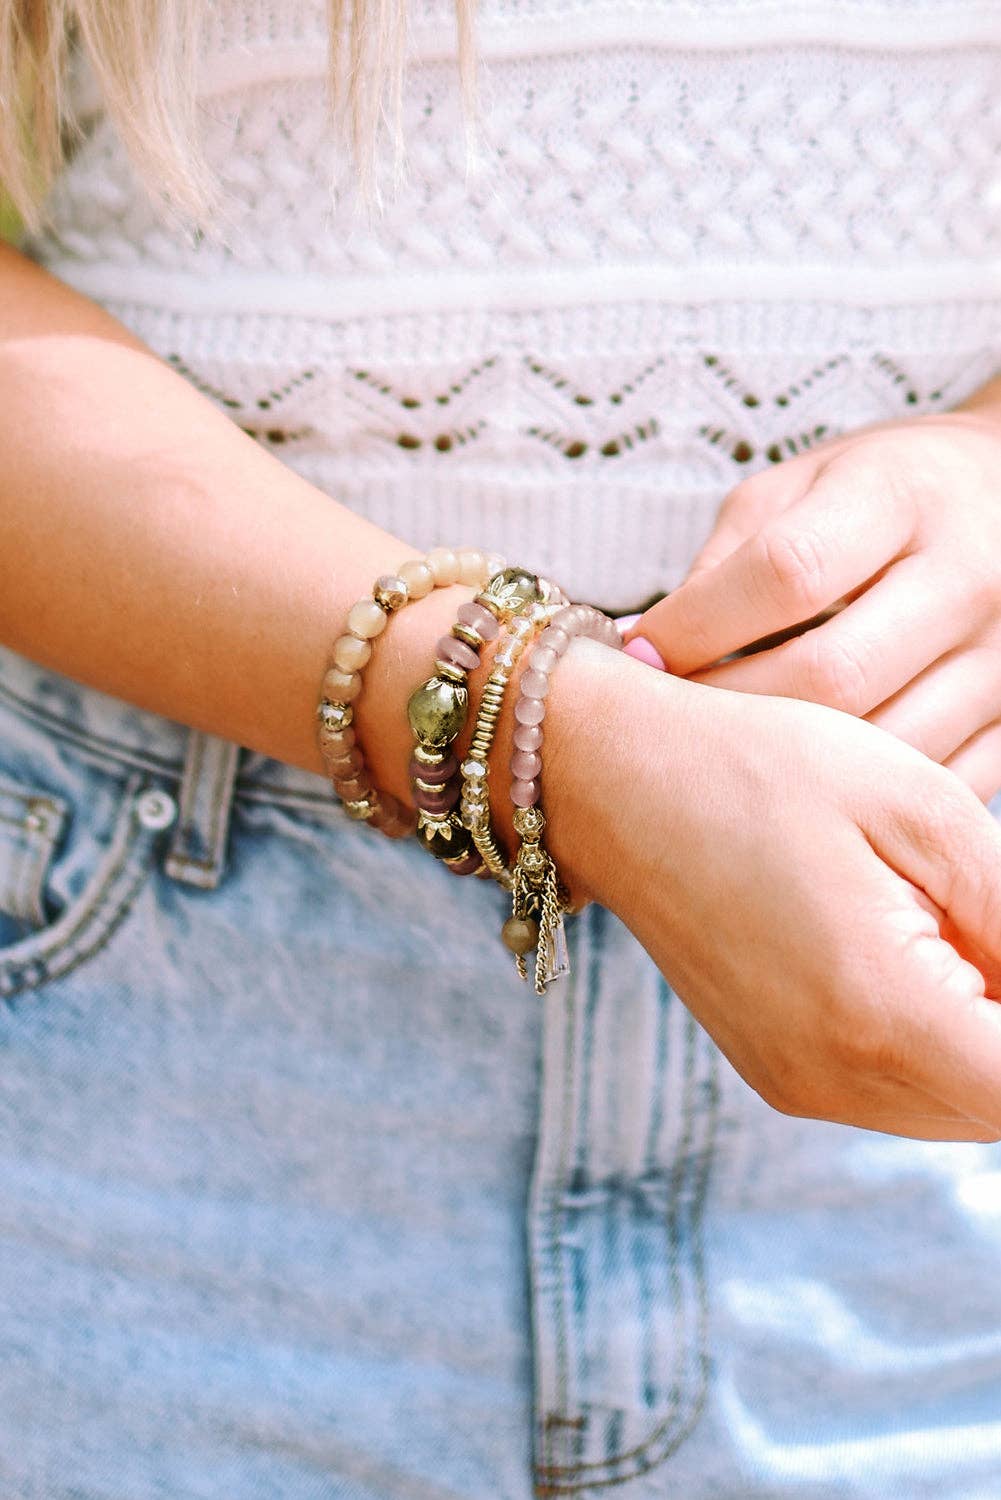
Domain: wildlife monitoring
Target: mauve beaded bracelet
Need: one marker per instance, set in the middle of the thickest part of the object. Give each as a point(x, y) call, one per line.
point(533, 689)
point(342, 682)
point(538, 900)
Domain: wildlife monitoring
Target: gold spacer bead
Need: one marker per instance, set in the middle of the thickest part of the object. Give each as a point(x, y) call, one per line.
point(430, 755)
point(468, 634)
point(450, 670)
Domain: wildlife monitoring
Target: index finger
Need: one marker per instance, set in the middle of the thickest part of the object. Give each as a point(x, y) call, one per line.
point(839, 536)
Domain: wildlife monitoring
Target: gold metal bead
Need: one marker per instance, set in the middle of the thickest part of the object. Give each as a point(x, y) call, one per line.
point(429, 755)
point(520, 934)
point(468, 634)
point(334, 716)
point(390, 592)
point(450, 670)
point(361, 808)
point(529, 822)
point(437, 710)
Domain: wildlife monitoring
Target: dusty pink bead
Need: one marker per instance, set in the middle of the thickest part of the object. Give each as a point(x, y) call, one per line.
point(480, 619)
point(346, 764)
point(436, 775)
point(337, 741)
point(543, 660)
point(530, 710)
point(457, 652)
point(553, 639)
point(528, 736)
point(468, 865)
point(341, 687)
point(534, 684)
point(526, 764)
point(440, 801)
point(524, 793)
point(350, 791)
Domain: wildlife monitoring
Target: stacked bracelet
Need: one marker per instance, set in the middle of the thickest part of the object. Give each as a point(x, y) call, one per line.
point(438, 709)
point(538, 900)
point(342, 683)
point(475, 768)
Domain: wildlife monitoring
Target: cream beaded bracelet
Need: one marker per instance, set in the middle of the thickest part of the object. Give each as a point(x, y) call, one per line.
point(351, 652)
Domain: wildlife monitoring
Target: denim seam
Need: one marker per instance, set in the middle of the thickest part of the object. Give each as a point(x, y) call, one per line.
point(98, 751)
point(40, 963)
point(549, 1475)
point(220, 801)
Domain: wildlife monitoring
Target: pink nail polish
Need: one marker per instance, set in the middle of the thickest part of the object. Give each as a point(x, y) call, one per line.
point(645, 651)
point(626, 623)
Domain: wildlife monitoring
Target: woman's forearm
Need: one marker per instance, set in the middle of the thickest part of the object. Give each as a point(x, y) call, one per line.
point(152, 550)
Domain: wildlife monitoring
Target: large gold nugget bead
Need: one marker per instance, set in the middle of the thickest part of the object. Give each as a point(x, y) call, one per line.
point(510, 591)
point(437, 710)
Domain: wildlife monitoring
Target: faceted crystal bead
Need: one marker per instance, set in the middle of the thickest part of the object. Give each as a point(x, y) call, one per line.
point(390, 591)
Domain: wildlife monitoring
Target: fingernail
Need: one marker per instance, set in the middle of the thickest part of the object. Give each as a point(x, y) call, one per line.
point(626, 623)
point(645, 651)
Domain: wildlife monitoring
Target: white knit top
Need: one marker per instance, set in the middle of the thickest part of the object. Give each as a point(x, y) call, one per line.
point(700, 236)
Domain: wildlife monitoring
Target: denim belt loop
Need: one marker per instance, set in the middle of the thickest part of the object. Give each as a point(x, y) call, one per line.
point(197, 852)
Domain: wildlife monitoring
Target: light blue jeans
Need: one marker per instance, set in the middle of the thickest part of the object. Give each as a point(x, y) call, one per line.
point(304, 1194)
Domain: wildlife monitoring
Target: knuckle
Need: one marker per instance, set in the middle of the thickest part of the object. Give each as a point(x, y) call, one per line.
point(834, 671)
point(793, 567)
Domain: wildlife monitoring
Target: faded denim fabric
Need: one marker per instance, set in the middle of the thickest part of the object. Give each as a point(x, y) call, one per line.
point(304, 1194)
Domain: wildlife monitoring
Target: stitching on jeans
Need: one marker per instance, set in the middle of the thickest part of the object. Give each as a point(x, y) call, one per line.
point(219, 803)
point(45, 956)
point(550, 1473)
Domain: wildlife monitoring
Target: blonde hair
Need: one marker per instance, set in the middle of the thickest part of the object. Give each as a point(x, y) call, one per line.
point(144, 54)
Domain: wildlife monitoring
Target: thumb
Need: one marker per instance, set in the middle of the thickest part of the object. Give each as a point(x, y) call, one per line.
point(944, 841)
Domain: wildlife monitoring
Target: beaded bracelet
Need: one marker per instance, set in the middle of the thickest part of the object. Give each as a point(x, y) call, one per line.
point(538, 900)
point(342, 681)
point(475, 769)
point(439, 707)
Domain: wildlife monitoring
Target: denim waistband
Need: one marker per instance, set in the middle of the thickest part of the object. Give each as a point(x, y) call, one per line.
point(209, 772)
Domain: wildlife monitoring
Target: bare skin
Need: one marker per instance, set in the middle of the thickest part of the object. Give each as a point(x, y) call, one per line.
point(892, 533)
point(824, 898)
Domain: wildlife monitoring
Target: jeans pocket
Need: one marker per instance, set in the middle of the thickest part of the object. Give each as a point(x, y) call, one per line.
point(75, 851)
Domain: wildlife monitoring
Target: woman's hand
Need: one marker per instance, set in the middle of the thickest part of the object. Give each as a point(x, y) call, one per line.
point(824, 899)
point(897, 530)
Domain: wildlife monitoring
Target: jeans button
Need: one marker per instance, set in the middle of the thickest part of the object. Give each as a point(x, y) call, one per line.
point(156, 809)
